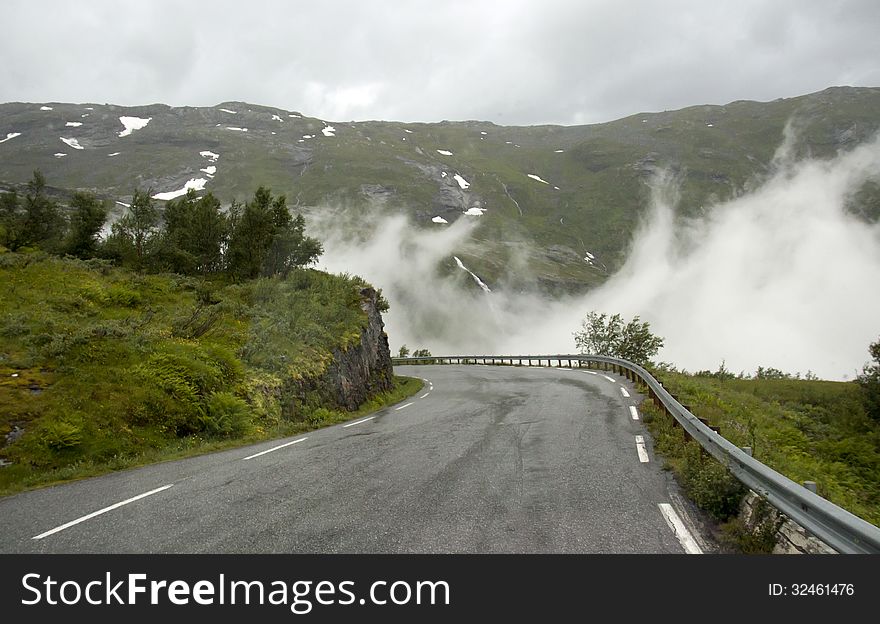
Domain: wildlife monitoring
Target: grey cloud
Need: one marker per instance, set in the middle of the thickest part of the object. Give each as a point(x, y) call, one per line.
point(510, 62)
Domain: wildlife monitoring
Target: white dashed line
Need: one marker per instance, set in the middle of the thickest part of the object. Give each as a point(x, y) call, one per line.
point(101, 511)
point(684, 537)
point(624, 392)
point(642, 451)
point(633, 412)
point(591, 372)
point(274, 448)
point(611, 379)
point(397, 409)
point(424, 395)
point(357, 422)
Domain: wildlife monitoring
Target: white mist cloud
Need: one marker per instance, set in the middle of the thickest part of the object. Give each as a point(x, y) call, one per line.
point(782, 276)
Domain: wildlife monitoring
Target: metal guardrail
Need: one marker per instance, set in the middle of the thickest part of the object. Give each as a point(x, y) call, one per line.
point(840, 529)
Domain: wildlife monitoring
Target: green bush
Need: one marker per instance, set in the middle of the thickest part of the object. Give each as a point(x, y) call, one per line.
point(227, 416)
point(711, 485)
point(61, 434)
point(761, 539)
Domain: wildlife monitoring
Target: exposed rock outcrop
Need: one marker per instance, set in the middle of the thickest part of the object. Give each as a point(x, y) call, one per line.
point(353, 375)
point(363, 370)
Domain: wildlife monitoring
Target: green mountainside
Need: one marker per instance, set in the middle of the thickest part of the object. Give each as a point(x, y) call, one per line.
point(585, 197)
point(102, 367)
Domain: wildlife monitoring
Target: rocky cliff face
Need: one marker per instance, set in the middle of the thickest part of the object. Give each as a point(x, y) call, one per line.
point(362, 370)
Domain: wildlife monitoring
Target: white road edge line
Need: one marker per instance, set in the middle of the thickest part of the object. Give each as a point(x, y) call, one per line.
point(633, 412)
point(397, 409)
point(611, 379)
point(624, 392)
point(684, 537)
point(424, 395)
point(591, 372)
point(274, 448)
point(357, 422)
point(101, 511)
point(642, 451)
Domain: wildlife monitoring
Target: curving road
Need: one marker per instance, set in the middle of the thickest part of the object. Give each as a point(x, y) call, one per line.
point(483, 460)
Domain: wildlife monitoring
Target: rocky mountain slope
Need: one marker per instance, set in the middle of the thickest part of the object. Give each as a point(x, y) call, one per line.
point(564, 198)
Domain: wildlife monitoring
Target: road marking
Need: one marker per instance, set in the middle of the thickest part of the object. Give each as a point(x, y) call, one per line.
point(611, 379)
point(633, 412)
point(591, 372)
point(424, 395)
point(274, 448)
point(357, 422)
point(684, 537)
point(101, 511)
point(397, 409)
point(640, 447)
point(624, 392)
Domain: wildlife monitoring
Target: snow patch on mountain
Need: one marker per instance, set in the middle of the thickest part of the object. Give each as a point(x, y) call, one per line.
point(72, 143)
point(133, 123)
point(196, 184)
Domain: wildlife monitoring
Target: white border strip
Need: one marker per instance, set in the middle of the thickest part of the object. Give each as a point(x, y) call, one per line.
point(684, 537)
point(274, 448)
point(611, 379)
point(633, 412)
point(642, 451)
point(101, 511)
point(624, 392)
point(357, 422)
point(397, 409)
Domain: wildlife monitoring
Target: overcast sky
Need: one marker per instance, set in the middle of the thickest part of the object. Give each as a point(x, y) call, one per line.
point(512, 62)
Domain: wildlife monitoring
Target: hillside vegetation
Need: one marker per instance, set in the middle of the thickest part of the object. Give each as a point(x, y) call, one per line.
point(808, 430)
point(204, 325)
point(586, 194)
point(101, 366)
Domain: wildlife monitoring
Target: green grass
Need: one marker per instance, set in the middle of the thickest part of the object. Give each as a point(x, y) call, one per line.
point(101, 367)
point(17, 480)
point(807, 430)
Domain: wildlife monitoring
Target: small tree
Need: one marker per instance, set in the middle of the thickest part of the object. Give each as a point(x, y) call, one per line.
point(42, 224)
point(403, 352)
point(11, 220)
point(265, 240)
point(421, 353)
point(195, 231)
point(604, 335)
point(637, 343)
point(86, 220)
point(869, 381)
point(133, 235)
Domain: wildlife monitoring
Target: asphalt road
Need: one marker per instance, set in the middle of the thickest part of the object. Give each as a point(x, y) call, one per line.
point(482, 460)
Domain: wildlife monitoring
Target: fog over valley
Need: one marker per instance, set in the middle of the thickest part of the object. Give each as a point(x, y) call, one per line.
point(783, 275)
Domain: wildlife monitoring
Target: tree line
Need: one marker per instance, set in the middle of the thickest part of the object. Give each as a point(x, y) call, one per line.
point(192, 236)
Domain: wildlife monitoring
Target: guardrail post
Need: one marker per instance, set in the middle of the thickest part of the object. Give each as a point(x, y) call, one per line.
point(811, 485)
point(747, 450)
